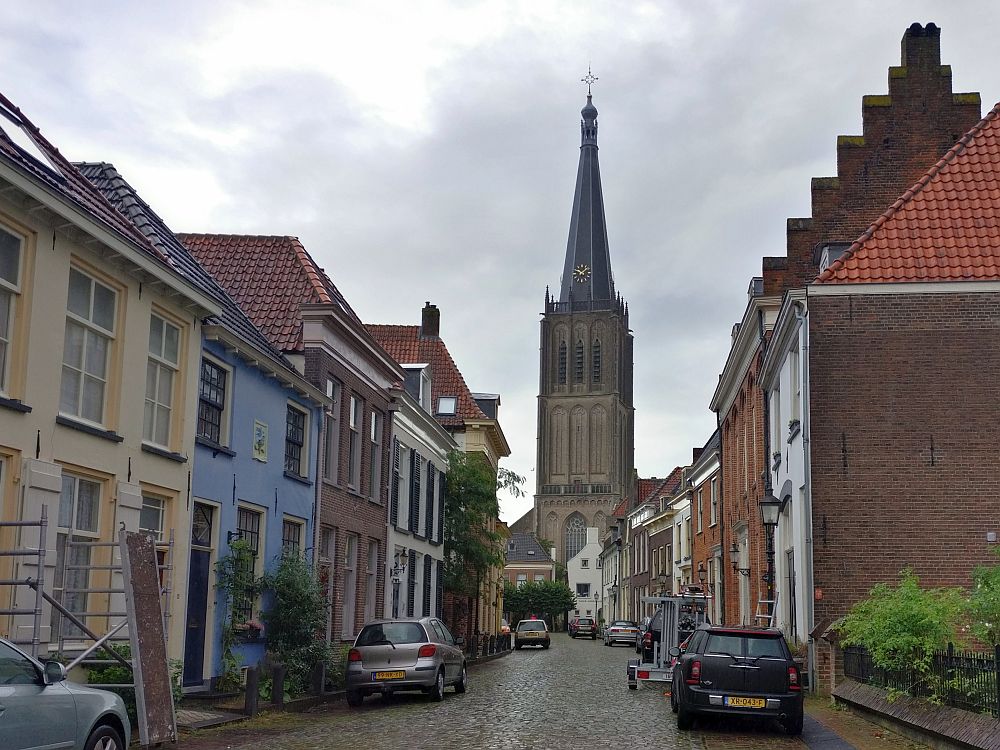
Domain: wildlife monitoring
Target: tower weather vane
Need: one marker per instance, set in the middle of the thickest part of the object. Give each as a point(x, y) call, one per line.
point(589, 79)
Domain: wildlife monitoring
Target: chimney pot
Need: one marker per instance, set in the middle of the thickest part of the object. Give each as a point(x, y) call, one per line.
point(922, 47)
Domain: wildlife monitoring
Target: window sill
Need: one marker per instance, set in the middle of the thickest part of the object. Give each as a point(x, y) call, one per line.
point(296, 478)
point(111, 435)
point(215, 447)
point(14, 405)
point(163, 453)
point(375, 501)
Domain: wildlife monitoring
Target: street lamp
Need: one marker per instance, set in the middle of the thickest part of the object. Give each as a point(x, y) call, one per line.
point(734, 558)
point(770, 510)
point(596, 597)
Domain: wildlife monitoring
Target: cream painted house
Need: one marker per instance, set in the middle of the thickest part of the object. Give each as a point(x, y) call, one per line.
point(100, 351)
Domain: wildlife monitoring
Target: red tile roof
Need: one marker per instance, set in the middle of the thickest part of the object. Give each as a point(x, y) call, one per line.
point(654, 486)
point(647, 487)
point(270, 277)
point(944, 228)
point(408, 347)
point(620, 509)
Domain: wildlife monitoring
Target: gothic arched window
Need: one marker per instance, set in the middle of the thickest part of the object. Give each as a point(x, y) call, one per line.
point(578, 364)
point(595, 360)
point(562, 363)
point(576, 536)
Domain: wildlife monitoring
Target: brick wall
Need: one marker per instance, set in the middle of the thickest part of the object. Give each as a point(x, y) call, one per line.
point(346, 510)
point(905, 466)
point(903, 134)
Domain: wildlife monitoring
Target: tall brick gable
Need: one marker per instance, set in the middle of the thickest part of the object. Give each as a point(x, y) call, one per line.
point(904, 132)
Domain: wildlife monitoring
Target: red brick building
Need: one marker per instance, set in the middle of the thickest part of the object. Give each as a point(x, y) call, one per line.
point(304, 315)
point(903, 133)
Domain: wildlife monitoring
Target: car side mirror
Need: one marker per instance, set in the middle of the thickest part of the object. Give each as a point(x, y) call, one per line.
point(54, 672)
point(460, 640)
point(674, 652)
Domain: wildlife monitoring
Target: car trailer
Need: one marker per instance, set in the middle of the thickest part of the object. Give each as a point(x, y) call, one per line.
point(681, 614)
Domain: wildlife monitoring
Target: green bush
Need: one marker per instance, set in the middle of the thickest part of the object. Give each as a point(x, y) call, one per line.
point(984, 603)
point(903, 626)
point(116, 674)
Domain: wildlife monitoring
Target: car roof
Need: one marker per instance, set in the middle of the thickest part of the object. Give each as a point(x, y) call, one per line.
point(741, 630)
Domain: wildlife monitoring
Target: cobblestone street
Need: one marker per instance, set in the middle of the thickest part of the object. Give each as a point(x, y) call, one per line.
point(573, 694)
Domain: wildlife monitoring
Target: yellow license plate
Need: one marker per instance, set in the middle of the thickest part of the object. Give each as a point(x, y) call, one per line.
point(388, 675)
point(745, 702)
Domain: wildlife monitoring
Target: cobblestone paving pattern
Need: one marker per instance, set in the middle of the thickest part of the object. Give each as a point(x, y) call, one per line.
point(573, 694)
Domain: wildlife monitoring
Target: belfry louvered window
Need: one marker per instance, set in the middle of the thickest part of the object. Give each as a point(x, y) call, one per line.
point(562, 363)
point(578, 363)
point(595, 360)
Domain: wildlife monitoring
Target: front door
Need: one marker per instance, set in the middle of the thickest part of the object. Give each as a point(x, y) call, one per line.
point(199, 577)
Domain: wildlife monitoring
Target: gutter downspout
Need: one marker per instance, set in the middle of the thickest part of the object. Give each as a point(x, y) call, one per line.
point(317, 505)
point(801, 316)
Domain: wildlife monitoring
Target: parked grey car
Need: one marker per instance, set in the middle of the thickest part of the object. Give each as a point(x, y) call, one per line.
point(39, 708)
point(405, 654)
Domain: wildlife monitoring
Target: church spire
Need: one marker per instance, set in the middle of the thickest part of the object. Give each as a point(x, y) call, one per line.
point(587, 271)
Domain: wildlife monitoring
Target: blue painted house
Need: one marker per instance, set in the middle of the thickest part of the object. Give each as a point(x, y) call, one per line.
point(253, 478)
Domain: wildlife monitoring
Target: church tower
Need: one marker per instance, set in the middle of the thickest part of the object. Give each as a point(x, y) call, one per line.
point(585, 412)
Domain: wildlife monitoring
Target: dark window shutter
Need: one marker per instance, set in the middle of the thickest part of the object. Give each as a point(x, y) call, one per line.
point(429, 510)
point(441, 505)
point(411, 583)
point(440, 589)
point(416, 467)
point(427, 586)
point(394, 488)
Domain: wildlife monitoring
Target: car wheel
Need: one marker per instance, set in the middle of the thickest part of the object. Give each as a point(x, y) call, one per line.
point(517, 646)
point(793, 725)
point(463, 682)
point(593, 637)
point(354, 698)
point(437, 692)
point(105, 738)
point(685, 719)
point(545, 645)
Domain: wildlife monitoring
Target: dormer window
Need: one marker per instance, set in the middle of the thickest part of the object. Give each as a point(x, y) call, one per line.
point(447, 406)
point(21, 137)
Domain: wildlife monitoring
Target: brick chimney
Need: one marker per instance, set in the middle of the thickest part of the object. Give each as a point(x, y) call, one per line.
point(430, 321)
point(921, 47)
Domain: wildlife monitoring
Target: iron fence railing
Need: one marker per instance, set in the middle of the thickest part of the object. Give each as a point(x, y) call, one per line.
point(963, 679)
point(482, 645)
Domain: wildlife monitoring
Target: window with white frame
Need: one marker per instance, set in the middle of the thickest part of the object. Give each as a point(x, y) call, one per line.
point(701, 508)
point(375, 456)
point(371, 574)
point(77, 525)
point(212, 402)
point(355, 418)
point(151, 516)
point(295, 440)
point(331, 455)
point(161, 370)
point(796, 384)
point(584, 563)
point(777, 432)
point(714, 503)
point(539, 577)
point(583, 589)
point(347, 630)
point(291, 538)
point(90, 330)
point(248, 529)
point(10, 287)
point(522, 578)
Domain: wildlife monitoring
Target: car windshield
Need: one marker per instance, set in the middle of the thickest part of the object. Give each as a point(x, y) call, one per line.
point(391, 632)
point(622, 624)
point(585, 621)
point(531, 625)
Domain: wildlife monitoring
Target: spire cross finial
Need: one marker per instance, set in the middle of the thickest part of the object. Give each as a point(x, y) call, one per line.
point(589, 79)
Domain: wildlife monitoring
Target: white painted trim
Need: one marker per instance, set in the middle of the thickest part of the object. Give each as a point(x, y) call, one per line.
point(903, 287)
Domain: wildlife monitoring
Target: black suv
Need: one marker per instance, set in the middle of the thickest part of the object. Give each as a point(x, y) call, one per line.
point(737, 671)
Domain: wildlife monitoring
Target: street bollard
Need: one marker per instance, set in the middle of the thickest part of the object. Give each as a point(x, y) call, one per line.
point(278, 686)
point(318, 681)
point(252, 694)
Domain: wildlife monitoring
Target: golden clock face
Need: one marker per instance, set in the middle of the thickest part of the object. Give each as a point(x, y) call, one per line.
point(581, 272)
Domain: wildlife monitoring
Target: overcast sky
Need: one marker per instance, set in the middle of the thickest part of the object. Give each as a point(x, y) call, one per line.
point(428, 151)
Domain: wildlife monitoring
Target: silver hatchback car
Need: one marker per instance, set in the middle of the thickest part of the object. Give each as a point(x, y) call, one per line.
point(39, 708)
point(405, 654)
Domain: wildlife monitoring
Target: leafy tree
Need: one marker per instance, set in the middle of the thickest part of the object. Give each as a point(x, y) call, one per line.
point(543, 598)
point(295, 619)
point(984, 604)
point(902, 626)
point(471, 547)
